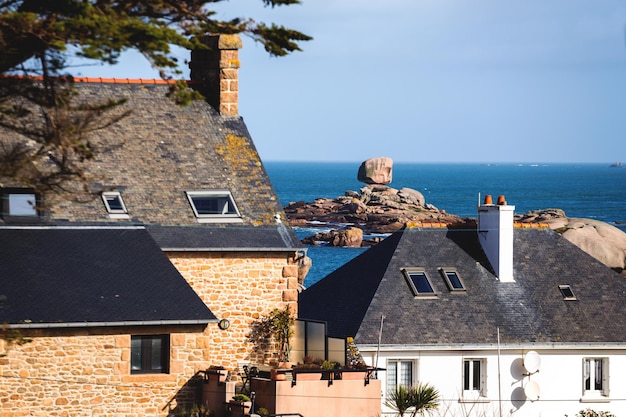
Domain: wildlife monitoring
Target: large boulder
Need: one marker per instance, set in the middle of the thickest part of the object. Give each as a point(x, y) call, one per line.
point(601, 240)
point(376, 171)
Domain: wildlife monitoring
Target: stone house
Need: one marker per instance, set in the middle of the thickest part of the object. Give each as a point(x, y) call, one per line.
point(128, 295)
point(502, 320)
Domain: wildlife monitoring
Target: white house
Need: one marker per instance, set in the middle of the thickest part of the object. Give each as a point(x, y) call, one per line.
point(503, 320)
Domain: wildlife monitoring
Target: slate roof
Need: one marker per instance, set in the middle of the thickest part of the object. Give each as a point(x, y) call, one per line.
point(213, 239)
point(91, 276)
point(167, 149)
point(530, 310)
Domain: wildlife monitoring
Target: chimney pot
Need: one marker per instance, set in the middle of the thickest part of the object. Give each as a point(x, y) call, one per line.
point(488, 199)
point(501, 200)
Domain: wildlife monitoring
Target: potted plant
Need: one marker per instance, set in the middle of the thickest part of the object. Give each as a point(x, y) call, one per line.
point(239, 404)
point(309, 370)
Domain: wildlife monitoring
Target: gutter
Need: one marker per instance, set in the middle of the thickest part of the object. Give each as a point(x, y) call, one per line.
point(490, 347)
point(109, 324)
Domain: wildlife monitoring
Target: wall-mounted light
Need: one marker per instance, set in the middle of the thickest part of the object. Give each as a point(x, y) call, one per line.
point(223, 324)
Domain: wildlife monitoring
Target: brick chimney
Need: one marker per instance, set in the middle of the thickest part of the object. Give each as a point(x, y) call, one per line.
point(495, 234)
point(214, 72)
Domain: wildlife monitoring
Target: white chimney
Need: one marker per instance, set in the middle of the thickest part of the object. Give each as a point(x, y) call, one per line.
point(495, 234)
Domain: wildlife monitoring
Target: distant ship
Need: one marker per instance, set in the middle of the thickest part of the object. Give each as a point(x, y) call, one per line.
point(616, 165)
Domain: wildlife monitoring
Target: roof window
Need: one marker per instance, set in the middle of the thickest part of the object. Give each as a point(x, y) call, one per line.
point(567, 292)
point(19, 204)
point(418, 282)
point(115, 205)
point(452, 279)
point(213, 206)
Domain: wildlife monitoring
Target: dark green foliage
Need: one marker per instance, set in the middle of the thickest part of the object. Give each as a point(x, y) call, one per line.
point(417, 400)
point(38, 37)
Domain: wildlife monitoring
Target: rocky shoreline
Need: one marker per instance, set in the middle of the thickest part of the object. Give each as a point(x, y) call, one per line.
point(378, 208)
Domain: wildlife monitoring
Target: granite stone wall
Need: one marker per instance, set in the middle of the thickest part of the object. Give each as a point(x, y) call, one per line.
point(86, 372)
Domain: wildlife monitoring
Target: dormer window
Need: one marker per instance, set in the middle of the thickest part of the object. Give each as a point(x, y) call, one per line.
point(115, 205)
point(19, 204)
point(452, 279)
point(418, 282)
point(213, 206)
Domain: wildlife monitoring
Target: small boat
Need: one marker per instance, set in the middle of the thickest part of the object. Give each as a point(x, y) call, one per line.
point(616, 165)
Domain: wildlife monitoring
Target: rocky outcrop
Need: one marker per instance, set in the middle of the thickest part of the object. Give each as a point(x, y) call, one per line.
point(351, 237)
point(374, 209)
point(601, 240)
point(376, 171)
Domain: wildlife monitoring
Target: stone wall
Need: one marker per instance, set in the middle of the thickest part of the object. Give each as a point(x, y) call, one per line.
point(241, 290)
point(86, 372)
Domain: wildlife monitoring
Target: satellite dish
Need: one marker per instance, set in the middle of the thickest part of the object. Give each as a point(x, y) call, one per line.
point(532, 361)
point(532, 391)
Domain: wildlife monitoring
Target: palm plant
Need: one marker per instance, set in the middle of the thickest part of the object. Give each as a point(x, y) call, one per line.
point(424, 398)
point(419, 399)
point(399, 399)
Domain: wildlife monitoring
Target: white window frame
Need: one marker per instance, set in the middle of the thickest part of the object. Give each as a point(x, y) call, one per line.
point(472, 392)
point(391, 385)
point(19, 203)
point(592, 393)
point(223, 217)
point(113, 212)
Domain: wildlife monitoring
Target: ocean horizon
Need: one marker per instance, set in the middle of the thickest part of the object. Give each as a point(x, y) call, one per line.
point(583, 190)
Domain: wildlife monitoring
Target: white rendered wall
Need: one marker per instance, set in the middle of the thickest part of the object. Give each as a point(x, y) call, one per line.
point(560, 379)
point(495, 234)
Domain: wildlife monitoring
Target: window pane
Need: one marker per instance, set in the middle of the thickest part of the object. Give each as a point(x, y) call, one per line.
point(155, 363)
point(406, 373)
point(22, 205)
point(476, 375)
point(135, 354)
point(454, 280)
point(213, 205)
point(391, 376)
point(598, 375)
point(114, 202)
point(421, 282)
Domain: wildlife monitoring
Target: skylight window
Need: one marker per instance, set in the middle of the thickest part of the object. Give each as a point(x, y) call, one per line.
point(213, 206)
point(19, 203)
point(419, 282)
point(452, 278)
point(567, 292)
point(113, 202)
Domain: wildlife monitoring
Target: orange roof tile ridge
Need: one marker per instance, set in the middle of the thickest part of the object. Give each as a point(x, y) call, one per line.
point(106, 80)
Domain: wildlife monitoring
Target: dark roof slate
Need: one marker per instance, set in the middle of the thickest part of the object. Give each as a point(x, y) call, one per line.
point(88, 276)
point(529, 310)
point(277, 238)
point(167, 149)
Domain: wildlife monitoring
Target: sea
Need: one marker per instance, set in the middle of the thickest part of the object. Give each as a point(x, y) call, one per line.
point(587, 190)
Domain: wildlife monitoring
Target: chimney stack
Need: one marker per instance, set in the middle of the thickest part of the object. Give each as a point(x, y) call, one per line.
point(495, 234)
point(214, 72)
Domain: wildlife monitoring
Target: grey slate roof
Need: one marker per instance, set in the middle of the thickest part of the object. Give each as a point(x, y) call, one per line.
point(166, 150)
point(277, 238)
point(530, 310)
point(90, 276)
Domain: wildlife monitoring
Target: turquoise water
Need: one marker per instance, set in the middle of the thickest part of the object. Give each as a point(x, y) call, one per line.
point(593, 191)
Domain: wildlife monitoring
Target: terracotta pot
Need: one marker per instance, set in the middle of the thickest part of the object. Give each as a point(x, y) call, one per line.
point(277, 376)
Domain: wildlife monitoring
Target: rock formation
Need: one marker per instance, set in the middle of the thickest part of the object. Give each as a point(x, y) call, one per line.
point(378, 208)
point(601, 240)
point(376, 171)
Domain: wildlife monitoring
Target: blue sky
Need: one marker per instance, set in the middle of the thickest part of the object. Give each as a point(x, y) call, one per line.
point(434, 81)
